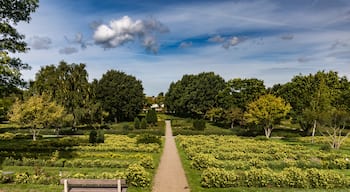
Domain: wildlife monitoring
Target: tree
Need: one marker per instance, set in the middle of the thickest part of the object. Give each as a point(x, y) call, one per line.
point(233, 115)
point(137, 123)
point(240, 92)
point(143, 124)
point(194, 95)
point(303, 90)
point(36, 112)
point(215, 114)
point(120, 95)
point(335, 125)
point(13, 12)
point(68, 85)
point(267, 111)
point(151, 117)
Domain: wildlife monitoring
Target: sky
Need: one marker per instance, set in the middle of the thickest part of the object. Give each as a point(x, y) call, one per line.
point(158, 41)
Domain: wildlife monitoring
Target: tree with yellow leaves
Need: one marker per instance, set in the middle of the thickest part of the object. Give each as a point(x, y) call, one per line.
point(266, 111)
point(36, 112)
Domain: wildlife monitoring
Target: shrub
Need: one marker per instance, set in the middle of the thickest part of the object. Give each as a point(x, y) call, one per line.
point(7, 136)
point(137, 123)
point(199, 124)
point(146, 139)
point(143, 124)
point(93, 136)
point(100, 137)
point(138, 176)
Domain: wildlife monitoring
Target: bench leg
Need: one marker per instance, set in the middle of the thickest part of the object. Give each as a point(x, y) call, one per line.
point(66, 189)
point(119, 186)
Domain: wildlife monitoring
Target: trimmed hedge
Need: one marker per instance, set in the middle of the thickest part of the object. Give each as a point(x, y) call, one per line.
point(290, 178)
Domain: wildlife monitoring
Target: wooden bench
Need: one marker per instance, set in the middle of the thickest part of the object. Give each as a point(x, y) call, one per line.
point(94, 185)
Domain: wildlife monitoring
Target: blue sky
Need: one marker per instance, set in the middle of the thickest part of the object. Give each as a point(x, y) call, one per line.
point(159, 41)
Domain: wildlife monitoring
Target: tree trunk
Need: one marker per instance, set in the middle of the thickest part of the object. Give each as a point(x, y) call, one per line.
point(313, 131)
point(34, 133)
point(232, 123)
point(268, 131)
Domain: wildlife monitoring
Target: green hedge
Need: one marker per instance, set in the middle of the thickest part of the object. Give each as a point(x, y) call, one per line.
point(289, 178)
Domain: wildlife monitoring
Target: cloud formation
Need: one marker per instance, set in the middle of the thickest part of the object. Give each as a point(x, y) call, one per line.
point(216, 39)
point(121, 31)
point(185, 44)
point(78, 39)
point(37, 42)
point(231, 42)
point(68, 50)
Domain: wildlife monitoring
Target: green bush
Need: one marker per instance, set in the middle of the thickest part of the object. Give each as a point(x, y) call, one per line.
point(143, 124)
point(146, 139)
point(93, 136)
point(100, 137)
point(138, 176)
point(7, 136)
point(137, 123)
point(199, 124)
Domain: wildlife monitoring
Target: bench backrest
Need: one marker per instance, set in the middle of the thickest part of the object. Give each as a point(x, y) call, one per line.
point(77, 184)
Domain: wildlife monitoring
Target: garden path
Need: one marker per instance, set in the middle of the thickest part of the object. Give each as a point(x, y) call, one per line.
point(170, 176)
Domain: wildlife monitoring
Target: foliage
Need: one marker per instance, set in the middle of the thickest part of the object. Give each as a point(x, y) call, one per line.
point(120, 95)
point(36, 112)
point(146, 139)
point(143, 124)
point(67, 84)
point(267, 111)
point(138, 176)
point(100, 136)
point(137, 123)
point(215, 114)
point(240, 92)
point(13, 12)
point(151, 117)
point(194, 95)
point(93, 136)
point(199, 124)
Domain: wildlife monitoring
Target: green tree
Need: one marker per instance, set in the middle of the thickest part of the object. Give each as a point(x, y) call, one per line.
point(335, 123)
point(267, 111)
point(215, 114)
point(239, 92)
point(234, 114)
point(302, 90)
point(137, 123)
point(36, 112)
point(194, 95)
point(151, 117)
point(143, 124)
point(13, 12)
point(120, 95)
point(68, 85)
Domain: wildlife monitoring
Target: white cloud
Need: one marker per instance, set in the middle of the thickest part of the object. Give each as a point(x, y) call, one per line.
point(185, 44)
point(37, 42)
point(216, 39)
point(233, 41)
point(125, 30)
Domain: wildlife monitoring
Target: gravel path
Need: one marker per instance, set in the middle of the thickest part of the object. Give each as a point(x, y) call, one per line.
point(170, 175)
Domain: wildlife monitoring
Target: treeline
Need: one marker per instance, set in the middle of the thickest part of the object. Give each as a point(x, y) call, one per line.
point(115, 97)
point(320, 99)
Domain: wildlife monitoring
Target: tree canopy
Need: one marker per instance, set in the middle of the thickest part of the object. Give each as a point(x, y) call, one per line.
point(13, 12)
point(194, 95)
point(120, 95)
point(36, 112)
point(267, 111)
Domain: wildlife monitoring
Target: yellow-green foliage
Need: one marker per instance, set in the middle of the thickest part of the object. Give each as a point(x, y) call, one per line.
point(230, 161)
